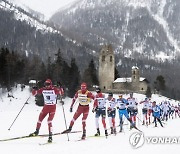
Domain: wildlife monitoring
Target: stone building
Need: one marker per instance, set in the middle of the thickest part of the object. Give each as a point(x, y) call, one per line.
point(135, 83)
point(106, 67)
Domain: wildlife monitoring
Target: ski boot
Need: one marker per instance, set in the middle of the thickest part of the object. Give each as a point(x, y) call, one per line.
point(83, 135)
point(98, 132)
point(106, 133)
point(67, 130)
point(112, 130)
point(161, 124)
point(50, 138)
point(132, 125)
point(120, 129)
point(34, 134)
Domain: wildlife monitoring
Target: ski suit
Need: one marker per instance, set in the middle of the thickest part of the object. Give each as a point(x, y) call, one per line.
point(84, 98)
point(100, 108)
point(50, 99)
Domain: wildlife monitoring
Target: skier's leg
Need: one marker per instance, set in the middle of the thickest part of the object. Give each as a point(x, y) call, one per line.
point(160, 122)
point(85, 115)
point(76, 115)
point(42, 115)
point(51, 117)
point(155, 122)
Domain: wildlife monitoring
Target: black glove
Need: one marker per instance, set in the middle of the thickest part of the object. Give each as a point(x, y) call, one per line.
point(62, 102)
point(94, 110)
point(109, 110)
point(71, 109)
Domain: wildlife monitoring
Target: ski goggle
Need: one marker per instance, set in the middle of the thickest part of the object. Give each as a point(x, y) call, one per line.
point(83, 87)
point(47, 84)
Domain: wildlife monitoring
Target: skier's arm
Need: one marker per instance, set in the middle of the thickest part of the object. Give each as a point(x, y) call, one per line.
point(90, 95)
point(74, 99)
point(95, 105)
point(61, 91)
point(35, 92)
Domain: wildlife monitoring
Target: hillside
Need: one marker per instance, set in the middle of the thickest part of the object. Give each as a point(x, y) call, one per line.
point(24, 33)
point(135, 28)
point(144, 33)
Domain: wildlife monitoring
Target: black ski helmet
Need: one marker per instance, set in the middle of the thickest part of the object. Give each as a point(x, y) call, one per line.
point(98, 90)
point(110, 94)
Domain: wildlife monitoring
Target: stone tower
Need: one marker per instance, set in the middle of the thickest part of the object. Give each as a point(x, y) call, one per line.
point(135, 74)
point(106, 67)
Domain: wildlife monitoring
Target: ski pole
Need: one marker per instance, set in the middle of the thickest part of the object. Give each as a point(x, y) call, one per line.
point(64, 117)
point(141, 121)
point(19, 112)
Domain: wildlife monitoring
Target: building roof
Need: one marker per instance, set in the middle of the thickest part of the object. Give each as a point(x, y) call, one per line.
point(135, 67)
point(129, 79)
point(32, 81)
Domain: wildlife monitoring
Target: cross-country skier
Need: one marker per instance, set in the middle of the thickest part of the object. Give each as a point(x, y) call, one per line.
point(171, 111)
point(145, 110)
point(132, 108)
point(111, 110)
point(149, 111)
point(165, 110)
point(121, 105)
point(99, 107)
point(84, 98)
point(176, 111)
point(50, 98)
point(156, 114)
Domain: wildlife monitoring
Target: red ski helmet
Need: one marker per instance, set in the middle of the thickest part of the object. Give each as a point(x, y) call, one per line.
point(83, 86)
point(48, 82)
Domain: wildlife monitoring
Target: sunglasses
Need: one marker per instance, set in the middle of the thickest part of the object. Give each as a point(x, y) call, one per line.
point(47, 84)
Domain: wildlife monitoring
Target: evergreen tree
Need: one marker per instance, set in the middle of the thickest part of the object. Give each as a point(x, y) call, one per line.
point(11, 68)
point(148, 92)
point(65, 74)
point(61, 71)
point(116, 74)
point(90, 76)
point(74, 75)
point(58, 67)
point(42, 75)
point(49, 68)
point(3, 67)
point(160, 83)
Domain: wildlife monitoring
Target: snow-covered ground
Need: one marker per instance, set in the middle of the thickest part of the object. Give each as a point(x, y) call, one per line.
point(26, 123)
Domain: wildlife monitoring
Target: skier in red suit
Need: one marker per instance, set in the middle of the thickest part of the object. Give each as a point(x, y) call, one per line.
point(84, 98)
point(49, 93)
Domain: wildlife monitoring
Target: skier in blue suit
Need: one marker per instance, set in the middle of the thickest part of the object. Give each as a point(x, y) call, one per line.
point(156, 114)
point(122, 103)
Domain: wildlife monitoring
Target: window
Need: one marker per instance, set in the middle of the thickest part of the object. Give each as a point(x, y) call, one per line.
point(103, 58)
point(110, 58)
point(134, 72)
point(142, 89)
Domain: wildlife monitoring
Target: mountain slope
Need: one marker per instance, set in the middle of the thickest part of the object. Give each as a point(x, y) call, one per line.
point(22, 32)
point(133, 26)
